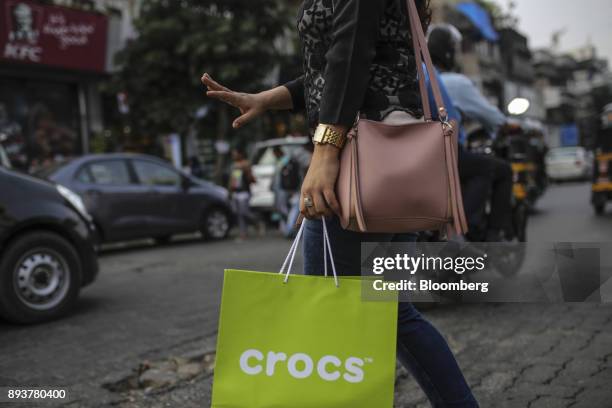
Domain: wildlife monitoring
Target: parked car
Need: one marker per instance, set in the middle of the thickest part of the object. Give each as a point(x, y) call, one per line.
point(134, 196)
point(569, 163)
point(264, 166)
point(47, 249)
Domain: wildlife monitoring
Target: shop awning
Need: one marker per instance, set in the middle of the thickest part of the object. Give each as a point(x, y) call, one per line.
point(480, 18)
point(570, 135)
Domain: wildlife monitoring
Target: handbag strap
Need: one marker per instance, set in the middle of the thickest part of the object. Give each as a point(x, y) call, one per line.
point(423, 57)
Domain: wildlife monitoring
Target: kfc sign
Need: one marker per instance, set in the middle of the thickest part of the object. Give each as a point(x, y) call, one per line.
point(56, 36)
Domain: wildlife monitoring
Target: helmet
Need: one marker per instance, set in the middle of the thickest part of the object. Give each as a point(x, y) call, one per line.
point(444, 42)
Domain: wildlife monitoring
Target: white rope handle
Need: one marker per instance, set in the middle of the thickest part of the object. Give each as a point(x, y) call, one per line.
point(326, 240)
point(324, 248)
point(293, 249)
point(288, 263)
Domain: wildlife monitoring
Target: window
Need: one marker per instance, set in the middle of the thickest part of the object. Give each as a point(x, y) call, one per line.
point(83, 176)
point(266, 157)
point(152, 174)
point(565, 152)
point(41, 122)
point(112, 172)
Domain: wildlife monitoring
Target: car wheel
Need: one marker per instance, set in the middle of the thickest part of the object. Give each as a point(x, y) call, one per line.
point(40, 278)
point(216, 224)
point(599, 208)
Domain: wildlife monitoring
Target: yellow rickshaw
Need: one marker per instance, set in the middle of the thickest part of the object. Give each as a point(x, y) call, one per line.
point(602, 174)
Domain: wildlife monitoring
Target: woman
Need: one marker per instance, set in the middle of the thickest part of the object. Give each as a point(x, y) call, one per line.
point(358, 58)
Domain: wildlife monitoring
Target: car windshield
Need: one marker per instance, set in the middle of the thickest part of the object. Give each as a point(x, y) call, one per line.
point(563, 153)
point(265, 155)
point(49, 169)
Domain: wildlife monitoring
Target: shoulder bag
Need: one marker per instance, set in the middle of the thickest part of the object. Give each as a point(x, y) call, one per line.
point(403, 178)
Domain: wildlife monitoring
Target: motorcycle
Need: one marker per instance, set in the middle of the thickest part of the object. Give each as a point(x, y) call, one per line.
point(523, 146)
point(512, 145)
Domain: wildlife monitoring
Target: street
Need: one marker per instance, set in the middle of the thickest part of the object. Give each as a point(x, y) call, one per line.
point(161, 140)
point(151, 303)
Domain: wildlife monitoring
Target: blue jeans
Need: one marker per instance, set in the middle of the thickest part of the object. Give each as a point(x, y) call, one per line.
point(421, 348)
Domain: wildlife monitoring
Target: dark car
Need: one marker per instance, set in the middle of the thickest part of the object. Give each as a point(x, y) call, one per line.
point(134, 196)
point(47, 249)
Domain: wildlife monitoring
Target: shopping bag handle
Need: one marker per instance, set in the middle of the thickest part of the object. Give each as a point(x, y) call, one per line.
point(288, 264)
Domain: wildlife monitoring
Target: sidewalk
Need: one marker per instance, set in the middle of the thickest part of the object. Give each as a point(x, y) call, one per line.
point(513, 355)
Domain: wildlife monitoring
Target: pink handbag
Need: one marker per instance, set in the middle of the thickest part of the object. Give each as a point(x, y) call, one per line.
point(403, 178)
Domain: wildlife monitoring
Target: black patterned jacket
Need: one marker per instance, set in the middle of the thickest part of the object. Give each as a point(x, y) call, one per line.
point(358, 57)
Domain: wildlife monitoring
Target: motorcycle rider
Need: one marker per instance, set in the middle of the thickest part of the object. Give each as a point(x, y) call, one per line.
point(482, 177)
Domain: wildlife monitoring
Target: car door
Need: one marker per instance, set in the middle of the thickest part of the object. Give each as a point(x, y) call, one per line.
point(172, 212)
point(117, 203)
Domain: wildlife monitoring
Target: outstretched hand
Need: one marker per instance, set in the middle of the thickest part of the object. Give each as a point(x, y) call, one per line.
point(250, 105)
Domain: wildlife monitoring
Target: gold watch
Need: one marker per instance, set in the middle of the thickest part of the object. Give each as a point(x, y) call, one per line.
point(326, 134)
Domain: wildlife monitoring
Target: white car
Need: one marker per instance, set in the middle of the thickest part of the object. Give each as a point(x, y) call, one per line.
point(569, 163)
point(264, 166)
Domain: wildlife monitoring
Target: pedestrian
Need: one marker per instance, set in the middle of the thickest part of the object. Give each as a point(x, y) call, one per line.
point(195, 167)
point(240, 180)
point(281, 194)
point(299, 162)
point(358, 59)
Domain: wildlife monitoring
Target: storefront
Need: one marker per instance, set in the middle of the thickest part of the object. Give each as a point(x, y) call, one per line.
point(52, 60)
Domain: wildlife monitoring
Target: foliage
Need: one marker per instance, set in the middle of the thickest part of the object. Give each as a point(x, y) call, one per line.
point(179, 40)
point(501, 18)
point(490, 6)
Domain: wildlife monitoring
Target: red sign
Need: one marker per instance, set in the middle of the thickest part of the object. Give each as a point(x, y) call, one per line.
point(36, 34)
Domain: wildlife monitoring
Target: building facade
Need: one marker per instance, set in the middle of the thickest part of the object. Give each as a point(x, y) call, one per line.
point(519, 74)
point(481, 58)
point(54, 56)
point(576, 86)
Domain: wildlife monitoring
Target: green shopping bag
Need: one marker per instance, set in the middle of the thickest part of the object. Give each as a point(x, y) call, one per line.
point(302, 342)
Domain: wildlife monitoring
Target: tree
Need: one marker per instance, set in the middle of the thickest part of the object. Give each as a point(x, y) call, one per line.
point(500, 17)
point(179, 40)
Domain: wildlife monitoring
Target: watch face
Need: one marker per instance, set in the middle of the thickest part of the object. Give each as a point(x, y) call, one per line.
point(319, 134)
point(326, 135)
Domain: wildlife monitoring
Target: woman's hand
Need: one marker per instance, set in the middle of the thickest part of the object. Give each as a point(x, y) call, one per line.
point(320, 183)
point(251, 105)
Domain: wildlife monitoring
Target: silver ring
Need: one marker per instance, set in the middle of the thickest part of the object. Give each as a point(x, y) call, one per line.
point(308, 202)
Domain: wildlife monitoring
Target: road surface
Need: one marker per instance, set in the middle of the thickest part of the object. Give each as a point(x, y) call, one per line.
point(151, 303)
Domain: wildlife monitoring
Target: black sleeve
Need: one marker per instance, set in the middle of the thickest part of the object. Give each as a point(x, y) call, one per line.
point(356, 25)
point(296, 89)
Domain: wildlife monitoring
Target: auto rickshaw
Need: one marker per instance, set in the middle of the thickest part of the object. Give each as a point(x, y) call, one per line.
point(513, 144)
point(602, 174)
point(537, 154)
